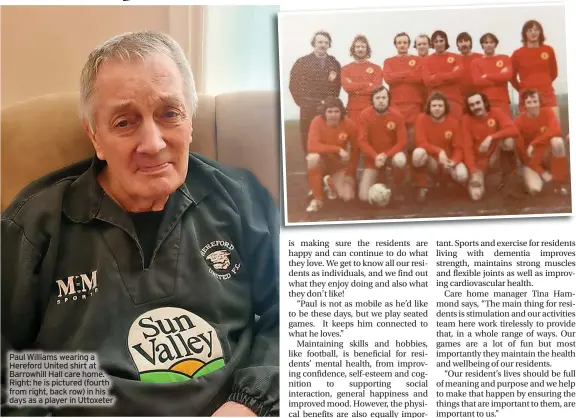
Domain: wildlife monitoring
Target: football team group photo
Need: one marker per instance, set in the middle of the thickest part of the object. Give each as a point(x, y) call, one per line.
point(401, 115)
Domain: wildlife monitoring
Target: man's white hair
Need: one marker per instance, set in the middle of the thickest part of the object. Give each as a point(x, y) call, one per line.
point(129, 46)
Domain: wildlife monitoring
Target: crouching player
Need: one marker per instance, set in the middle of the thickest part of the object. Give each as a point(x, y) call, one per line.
point(489, 137)
point(332, 149)
point(438, 145)
point(382, 138)
point(545, 152)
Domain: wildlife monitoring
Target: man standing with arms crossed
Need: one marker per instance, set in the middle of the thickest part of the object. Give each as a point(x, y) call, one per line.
point(422, 46)
point(464, 44)
point(403, 74)
point(313, 78)
point(492, 73)
point(534, 66)
point(360, 77)
point(442, 71)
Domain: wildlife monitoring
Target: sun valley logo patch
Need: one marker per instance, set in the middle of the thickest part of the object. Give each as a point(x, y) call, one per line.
point(412, 63)
point(173, 345)
point(342, 136)
point(390, 125)
point(448, 134)
point(370, 70)
point(544, 55)
point(491, 123)
point(218, 255)
point(450, 60)
point(543, 129)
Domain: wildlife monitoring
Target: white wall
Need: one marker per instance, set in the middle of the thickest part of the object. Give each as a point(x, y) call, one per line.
point(297, 28)
point(240, 47)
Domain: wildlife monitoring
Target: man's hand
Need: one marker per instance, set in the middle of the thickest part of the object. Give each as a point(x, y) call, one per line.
point(233, 409)
point(529, 151)
point(343, 154)
point(332, 76)
point(485, 144)
point(380, 160)
point(547, 177)
point(449, 164)
point(442, 158)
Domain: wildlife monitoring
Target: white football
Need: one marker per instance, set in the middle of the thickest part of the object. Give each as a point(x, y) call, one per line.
point(379, 195)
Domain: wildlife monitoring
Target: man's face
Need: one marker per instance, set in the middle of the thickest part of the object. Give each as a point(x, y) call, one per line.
point(533, 33)
point(321, 45)
point(402, 44)
point(476, 105)
point(464, 46)
point(439, 44)
point(489, 46)
point(422, 46)
point(437, 109)
point(380, 100)
point(143, 128)
point(360, 50)
point(532, 104)
point(333, 116)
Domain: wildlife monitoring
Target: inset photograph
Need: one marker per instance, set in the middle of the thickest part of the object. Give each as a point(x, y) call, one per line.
point(401, 115)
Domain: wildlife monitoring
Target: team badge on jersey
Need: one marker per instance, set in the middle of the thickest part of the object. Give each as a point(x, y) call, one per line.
point(412, 63)
point(448, 134)
point(450, 60)
point(171, 345)
point(220, 258)
point(544, 55)
point(499, 63)
point(342, 136)
point(370, 70)
point(390, 125)
point(491, 123)
point(543, 129)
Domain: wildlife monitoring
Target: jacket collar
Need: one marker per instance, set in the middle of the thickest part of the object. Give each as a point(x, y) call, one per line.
point(85, 199)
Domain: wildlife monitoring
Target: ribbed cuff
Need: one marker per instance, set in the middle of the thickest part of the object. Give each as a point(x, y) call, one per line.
point(248, 401)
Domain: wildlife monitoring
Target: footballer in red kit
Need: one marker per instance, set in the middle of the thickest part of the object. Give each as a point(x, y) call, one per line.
point(492, 73)
point(464, 44)
point(489, 137)
point(422, 45)
point(403, 75)
point(443, 71)
point(534, 66)
point(360, 77)
point(382, 140)
point(545, 155)
point(331, 141)
point(438, 145)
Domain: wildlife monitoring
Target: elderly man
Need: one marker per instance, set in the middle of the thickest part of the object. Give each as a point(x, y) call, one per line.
point(155, 259)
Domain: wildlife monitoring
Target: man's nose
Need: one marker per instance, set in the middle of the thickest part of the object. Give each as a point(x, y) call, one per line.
point(151, 140)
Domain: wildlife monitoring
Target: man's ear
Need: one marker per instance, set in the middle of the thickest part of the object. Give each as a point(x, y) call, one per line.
point(93, 139)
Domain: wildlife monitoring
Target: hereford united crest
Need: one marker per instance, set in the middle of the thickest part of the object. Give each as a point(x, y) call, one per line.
point(219, 256)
